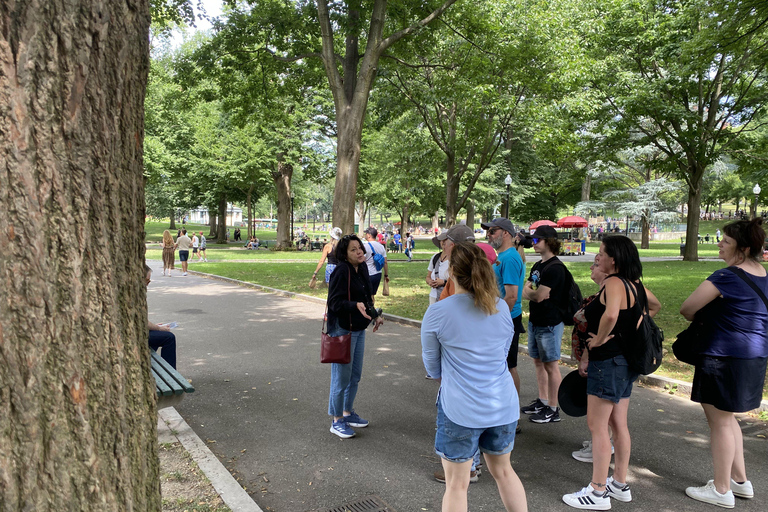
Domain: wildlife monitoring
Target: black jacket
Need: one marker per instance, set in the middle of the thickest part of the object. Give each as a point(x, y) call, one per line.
point(339, 306)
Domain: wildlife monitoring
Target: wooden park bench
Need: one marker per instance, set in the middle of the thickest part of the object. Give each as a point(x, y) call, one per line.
point(171, 386)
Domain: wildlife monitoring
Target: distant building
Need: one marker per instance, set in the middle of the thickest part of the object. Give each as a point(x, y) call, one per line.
point(200, 215)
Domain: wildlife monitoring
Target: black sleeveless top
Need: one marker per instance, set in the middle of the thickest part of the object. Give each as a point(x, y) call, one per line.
point(332, 255)
point(626, 323)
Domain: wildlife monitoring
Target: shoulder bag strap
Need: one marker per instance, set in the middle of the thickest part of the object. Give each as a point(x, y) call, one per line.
point(743, 275)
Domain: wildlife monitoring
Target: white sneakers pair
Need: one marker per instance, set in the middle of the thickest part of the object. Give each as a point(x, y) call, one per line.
point(708, 493)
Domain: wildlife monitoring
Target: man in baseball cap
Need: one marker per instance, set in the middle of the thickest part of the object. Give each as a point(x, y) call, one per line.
point(510, 278)
point(502, 223)
point(456, 234)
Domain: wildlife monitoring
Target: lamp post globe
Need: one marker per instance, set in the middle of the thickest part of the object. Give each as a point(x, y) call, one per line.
point(756, 190)
point(507, 182)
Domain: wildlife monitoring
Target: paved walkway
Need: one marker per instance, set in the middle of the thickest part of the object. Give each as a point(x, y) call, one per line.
point(261, 401)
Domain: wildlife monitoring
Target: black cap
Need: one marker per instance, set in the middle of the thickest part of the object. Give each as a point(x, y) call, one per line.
point(545, 232)
point(502, 223)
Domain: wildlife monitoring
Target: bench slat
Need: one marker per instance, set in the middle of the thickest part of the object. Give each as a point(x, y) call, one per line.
point(167, 379)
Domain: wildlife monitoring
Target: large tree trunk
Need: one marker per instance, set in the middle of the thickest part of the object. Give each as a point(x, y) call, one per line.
point(249, 206)
point(471, 214)
point(452, 181)
point(282, 178)
point(692, 225)
point(221, 216)
point(645, 243)
point(586, 188)
point(350, 128)
point(211, 224)
point(173, 222)
point(78, 420)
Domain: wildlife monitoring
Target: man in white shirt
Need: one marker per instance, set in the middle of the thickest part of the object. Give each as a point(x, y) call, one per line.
point(182, 244)
point(371, 246)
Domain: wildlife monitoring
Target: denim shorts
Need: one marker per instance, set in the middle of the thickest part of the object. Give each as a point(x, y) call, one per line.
point(544, 341)
point(459, 444)
point(610, 379)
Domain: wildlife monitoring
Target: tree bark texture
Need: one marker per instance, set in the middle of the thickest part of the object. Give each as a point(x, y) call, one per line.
point(692, 225)
point(282, 178)
point(221, 227)
point(212, 224)
point(77, 399)
point(470, 204)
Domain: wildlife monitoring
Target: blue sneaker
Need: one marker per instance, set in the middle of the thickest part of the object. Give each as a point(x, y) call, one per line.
point(355, 421)
point(342, 429)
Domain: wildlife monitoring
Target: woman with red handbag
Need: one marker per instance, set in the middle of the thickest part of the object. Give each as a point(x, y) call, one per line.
point(350, 310)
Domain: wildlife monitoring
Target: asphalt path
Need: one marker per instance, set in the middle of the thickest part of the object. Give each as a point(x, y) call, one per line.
point(261, 405)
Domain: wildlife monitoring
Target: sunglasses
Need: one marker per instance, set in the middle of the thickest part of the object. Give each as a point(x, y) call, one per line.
point(493, 230)
point(535, 240)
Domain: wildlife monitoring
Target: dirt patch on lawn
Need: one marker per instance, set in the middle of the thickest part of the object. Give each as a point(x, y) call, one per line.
point(184, 486)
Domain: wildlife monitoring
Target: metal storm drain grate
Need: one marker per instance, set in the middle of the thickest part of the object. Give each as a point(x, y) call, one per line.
point(367, 504)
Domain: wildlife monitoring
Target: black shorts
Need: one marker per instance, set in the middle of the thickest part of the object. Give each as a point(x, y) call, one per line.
point(729, 384)
point(183, 255)
point(519, 329)
point(194, 250)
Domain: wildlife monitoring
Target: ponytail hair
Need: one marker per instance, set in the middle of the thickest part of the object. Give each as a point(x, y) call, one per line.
point(748, 234)
point(470, 267)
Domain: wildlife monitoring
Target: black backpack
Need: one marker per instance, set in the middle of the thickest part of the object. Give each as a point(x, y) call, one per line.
point(645, 351)
point(571, 300)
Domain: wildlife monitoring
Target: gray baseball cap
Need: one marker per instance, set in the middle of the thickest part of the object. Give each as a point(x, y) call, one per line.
point(457, 233)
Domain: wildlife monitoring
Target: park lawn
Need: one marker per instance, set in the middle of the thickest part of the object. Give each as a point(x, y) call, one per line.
point(660, 249)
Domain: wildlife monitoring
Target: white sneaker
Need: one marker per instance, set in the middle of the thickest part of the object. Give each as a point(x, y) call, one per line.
point(585, 454)
point(184, 274)
point(587, 499)
point(744, 490)
point(615, 492)
point(708, 494)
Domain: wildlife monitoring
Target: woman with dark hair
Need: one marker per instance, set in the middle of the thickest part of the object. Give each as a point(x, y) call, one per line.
point(730, 374)
point(465, 339)
point(350, 310)
point(615, 314)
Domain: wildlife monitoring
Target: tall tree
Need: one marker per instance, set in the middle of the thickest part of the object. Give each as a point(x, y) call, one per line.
point(77, 401)
point(682, 76)
point(335, 33)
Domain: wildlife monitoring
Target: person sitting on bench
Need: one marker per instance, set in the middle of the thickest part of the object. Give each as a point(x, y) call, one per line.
point(160, 336)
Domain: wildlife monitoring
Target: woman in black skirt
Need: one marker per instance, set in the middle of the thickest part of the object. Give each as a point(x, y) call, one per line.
point(729, 378)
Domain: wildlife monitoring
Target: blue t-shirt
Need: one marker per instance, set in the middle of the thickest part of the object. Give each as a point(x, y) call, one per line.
point(468, 349)
point(510, 270)
point(741, 329)
point(397, 239)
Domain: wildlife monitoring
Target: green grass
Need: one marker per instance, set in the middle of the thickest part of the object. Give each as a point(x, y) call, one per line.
point(671, 281)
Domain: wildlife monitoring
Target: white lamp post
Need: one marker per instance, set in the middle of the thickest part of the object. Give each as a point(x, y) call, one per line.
point(507, 182)
point(756, 190)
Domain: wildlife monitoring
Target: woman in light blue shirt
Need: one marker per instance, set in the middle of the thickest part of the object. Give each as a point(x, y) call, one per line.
point(465, 339)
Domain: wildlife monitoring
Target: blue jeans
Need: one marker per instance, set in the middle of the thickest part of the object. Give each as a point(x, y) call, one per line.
point(346, 377)
point(167, 341)
point(375, 282)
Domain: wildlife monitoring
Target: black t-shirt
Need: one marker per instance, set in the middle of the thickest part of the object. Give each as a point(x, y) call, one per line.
point(551, 273)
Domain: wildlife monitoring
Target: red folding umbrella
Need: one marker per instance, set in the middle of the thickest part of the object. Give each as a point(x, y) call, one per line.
point(540, 223)
point(572, 221)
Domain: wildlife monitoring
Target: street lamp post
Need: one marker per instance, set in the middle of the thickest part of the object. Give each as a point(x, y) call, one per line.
point(291, 217)
point(314, 217)
point(756, 190)
point(507, 182)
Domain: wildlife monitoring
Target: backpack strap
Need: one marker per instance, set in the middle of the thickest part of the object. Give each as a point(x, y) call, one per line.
point(743, 275)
